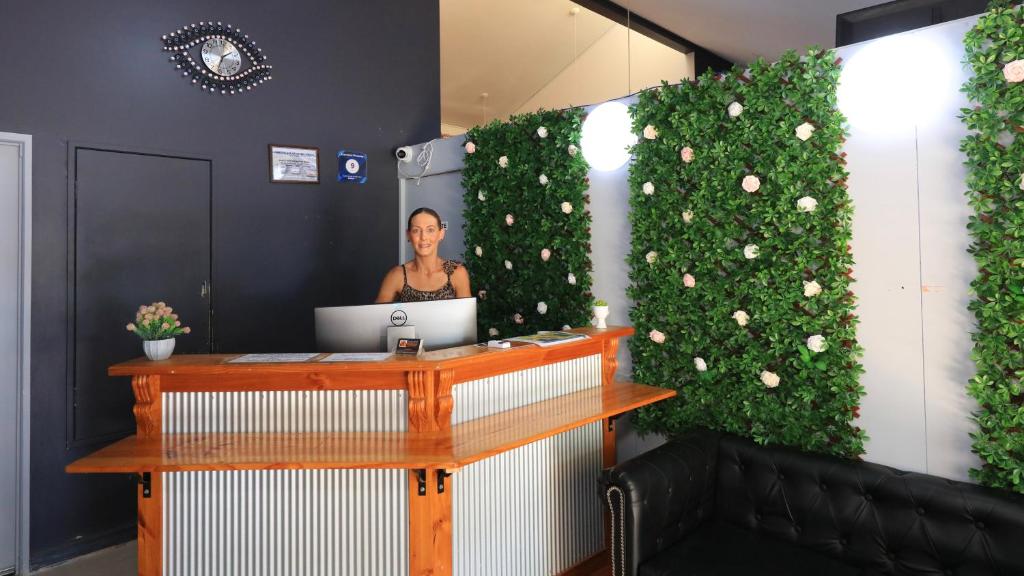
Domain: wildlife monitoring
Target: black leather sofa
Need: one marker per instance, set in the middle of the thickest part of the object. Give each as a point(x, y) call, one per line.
point(709, 504)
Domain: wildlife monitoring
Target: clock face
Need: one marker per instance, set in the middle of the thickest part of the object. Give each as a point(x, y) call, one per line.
point(221, 57)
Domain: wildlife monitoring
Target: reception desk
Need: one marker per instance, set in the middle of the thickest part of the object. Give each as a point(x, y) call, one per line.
point(468, 461)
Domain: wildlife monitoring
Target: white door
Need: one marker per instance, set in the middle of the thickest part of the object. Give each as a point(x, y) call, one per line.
point(10, 233)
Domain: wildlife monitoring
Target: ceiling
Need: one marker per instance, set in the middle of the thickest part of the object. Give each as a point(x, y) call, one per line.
point(511, 49)
point(742, 30)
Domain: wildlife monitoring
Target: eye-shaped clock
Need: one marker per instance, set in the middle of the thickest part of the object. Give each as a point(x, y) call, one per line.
point(223, 52)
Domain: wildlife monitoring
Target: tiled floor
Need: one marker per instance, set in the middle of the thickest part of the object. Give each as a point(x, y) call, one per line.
point(115, 561)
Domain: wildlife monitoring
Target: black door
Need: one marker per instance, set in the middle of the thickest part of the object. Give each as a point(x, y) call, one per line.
point(141, 234)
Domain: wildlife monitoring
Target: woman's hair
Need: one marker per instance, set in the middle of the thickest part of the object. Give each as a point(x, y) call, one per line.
point(422, 210)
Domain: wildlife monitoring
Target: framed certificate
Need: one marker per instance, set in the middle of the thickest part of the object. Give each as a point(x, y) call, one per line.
point(294, 164)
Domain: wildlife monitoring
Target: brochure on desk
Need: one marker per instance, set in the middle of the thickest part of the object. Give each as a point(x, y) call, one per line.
point(549, 338)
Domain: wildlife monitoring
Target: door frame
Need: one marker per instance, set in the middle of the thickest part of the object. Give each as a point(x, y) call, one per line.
point(71, 441)
point(22, 483)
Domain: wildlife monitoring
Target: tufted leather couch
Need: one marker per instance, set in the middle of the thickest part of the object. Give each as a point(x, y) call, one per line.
point(718, 505)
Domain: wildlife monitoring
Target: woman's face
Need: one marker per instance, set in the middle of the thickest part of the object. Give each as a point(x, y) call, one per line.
point(425, 234)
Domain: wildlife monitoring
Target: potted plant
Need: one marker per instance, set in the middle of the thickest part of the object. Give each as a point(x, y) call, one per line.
point(601, 312)
point(157, 325)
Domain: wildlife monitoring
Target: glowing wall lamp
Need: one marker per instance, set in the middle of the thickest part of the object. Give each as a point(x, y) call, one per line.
point(607, 136)
point(896, 82)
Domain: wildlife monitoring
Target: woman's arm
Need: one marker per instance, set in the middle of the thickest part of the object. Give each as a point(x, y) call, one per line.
point(460, 281)
point(391, 286)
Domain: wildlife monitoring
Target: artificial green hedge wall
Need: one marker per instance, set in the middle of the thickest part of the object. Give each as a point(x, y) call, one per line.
point(995, 161)
point(527, 226)
point(740, 260)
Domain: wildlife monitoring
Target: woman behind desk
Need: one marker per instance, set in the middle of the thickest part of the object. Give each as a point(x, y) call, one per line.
point(427, 276)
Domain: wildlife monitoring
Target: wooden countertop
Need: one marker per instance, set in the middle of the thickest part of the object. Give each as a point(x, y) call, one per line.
point(193, 372)
point(463, 444)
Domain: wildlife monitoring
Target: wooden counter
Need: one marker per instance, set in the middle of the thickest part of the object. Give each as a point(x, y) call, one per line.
point(428, 444)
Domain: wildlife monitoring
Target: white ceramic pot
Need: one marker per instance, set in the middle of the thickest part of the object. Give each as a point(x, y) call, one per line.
point(601, 314)
point(158, 349)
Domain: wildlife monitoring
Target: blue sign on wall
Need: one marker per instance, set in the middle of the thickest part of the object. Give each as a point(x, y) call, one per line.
point(351, 167)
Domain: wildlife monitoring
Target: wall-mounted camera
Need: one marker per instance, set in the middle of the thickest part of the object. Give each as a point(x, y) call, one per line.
point(404, 153)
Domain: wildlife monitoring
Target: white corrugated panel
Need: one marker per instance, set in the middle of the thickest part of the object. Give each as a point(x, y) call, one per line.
point(285, 522)
point(535, 510)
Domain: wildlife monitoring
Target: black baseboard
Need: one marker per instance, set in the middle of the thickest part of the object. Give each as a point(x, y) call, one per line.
point(58, 554)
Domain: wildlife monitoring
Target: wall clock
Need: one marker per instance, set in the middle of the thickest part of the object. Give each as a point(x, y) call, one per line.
point(225, 61)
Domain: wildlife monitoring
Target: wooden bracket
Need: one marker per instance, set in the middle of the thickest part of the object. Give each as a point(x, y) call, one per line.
point(147, 484)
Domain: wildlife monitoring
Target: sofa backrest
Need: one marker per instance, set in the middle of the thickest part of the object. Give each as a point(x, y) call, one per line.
point(868, 515)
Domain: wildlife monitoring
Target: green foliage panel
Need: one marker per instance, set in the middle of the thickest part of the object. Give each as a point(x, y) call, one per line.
point(527, 227)
point(995, 161)
point(740, 260)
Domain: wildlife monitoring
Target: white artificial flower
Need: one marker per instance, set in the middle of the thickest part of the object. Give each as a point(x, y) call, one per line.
point(470, 147)
point(700, 364)
point(572, 149)
point(804, 131)
point(650, 132)
point(656, 337)
point(1022, 181)
point(688, 216)
point(481, 196)
point(770, 379)
point(509, 220)
point(571, 279)
point(566, 208)
point(651, 257)
point(686, 154)
point(492, 331)
point(689, 281)
point(478, 251)
point(751, 251)
point(751, 183)
point(545, 254)
point(648, 188)
point(543, 180)
point(503, 161)
point(542, 307)
point(566, 327)
point(1014, 71)
point(816, 343)
point(508, 265)
point(517, 318)
point(542, 132)
point(741, 317)
point(812, 288)
point(806, 204)
point(735, 109)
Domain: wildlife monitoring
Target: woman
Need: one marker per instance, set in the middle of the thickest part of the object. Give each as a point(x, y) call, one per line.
point(426, 276)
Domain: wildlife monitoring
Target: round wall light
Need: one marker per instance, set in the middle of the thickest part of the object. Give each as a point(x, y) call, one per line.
point(607, 136)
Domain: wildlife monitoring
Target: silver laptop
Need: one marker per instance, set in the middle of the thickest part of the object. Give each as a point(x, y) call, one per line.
point(440, 323)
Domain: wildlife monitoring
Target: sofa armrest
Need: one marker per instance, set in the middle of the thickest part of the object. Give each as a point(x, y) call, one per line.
point(658, 497)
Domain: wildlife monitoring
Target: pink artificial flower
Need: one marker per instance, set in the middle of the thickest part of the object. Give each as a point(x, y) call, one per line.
point(751, 183)
point(689, 281)
point(545, 254)
point(657, 337)
point(1014, 71)
point(686, 154)
point(186, 330)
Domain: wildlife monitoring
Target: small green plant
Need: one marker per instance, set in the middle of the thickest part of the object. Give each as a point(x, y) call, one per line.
point(600, 302)
point(156, 321)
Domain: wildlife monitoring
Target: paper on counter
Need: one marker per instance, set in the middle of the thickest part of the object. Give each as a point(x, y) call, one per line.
point(357, 357)
point(259, 358)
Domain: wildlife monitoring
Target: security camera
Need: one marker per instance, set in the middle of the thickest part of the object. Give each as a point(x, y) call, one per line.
point(404, 153)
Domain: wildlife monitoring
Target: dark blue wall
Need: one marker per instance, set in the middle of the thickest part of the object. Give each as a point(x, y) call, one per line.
point(348, 74)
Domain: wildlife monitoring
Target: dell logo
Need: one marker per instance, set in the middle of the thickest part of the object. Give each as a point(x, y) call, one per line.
point(399, 318)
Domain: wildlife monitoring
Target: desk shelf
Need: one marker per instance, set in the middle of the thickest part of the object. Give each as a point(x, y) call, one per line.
point(452, 449)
